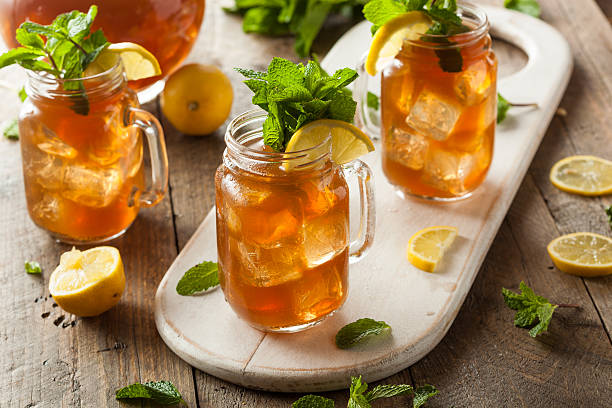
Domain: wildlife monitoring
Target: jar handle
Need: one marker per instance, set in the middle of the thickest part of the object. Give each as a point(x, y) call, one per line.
point(367, 220)
point(361, 94)
point(148, 124)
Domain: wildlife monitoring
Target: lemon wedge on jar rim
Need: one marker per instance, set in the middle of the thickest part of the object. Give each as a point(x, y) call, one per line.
point(88, 283)
point(389, 38)
point(348, 141)
point(427, 246)
point(138, 62)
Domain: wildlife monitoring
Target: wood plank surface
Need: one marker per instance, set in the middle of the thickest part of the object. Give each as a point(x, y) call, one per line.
point(483, 360)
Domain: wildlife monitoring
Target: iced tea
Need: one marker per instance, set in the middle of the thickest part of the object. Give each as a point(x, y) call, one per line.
point(282, 242)
point(167, 28)
point(83, 173)
point(438, 127)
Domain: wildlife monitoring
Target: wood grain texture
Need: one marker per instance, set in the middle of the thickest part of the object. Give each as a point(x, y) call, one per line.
point(483, 361)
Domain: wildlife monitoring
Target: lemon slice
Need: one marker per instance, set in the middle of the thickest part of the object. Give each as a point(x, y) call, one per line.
point(582, 253)
point(389, 38)
point(348, 141)
point(137, 61)
point(427, 246)
point(88, 283)
point(585, 175)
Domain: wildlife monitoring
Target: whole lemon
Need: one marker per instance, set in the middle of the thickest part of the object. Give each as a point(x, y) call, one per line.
point(197, 99)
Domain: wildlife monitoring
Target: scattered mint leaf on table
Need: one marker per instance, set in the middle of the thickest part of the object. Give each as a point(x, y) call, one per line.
point(359, 398)
point(360, 330)
point(11, 130)
point(33, 268)
point(198, 278)
point(502, 108)
point(609, 213)
point(422, 394)
point(530, 7)
point(313, 401)
point(294, 95)
point(529, 308)
point(160, 392)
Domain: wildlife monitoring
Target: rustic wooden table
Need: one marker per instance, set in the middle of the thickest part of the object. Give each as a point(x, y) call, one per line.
point(49, 358)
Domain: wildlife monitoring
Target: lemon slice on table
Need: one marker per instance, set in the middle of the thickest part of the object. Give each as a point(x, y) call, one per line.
point(348, 141)
point(137, 61)
point(389, 38)
point(88, 283)
point(582, 253)
point(585, 175)
point(427, 246)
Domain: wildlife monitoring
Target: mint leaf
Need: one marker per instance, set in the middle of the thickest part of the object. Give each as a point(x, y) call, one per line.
point(530, 7)
point(530, 307)
point(388, 391)
point(422, 394)
point(33, 268)
point(378, 12)
point(360, 330)
point(198, 278)
point(22, 94)
point(11, 131)
point(313, 401)
point(263, 20)
point(609, 213)
point(502, 108)
point(160, 392)
point(373, 101)
point(357, 399)
point(294, 95)
point(307, 28)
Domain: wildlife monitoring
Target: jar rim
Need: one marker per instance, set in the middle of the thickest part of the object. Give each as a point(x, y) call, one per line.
point(462, 39)
point(236, 145)
point(42, 83)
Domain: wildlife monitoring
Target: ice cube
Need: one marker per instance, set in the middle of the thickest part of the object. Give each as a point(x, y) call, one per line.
point(320, 291)
point(325, 237)
point(432, 116)
point(112, 144)
point(408, 149)
point(473, 84)
point(241, 193)
point(48, 208)
point(263, 267)
point(448, 170)
point(92, 187)
point(50, 143)
point(45, 169)
point(319, 197)
point(134, 161)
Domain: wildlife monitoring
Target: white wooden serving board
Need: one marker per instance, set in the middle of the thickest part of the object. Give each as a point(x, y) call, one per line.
point(419, 306)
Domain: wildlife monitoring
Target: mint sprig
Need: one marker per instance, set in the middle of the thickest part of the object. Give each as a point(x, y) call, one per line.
point(63, 49)
point(531, 308)
point(198, 278)
point(160, 392)
point(294, 95)
point(359, 331)
point(313, 401)
point(503, 106)
point(530, 7)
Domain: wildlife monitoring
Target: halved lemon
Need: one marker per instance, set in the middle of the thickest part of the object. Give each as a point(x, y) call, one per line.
point(585, 175)
point(137, 61)
point(427, 246)
point(88, 283)
point(389, 38)
point(348, 141)
point(582, 253)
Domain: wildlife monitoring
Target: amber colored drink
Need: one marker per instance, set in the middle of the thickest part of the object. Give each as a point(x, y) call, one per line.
point(167, 28)
point(82, 173)
point(282, 242)
point(438, 127)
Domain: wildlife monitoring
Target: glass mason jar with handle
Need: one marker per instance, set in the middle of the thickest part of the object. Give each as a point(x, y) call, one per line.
point(82, 154)
point(438, 109)
point(283, 229)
